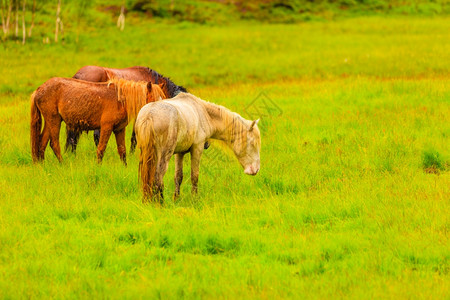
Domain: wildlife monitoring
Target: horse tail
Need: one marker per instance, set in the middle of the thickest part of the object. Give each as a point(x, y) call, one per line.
point(35, 128)
point(145, 135)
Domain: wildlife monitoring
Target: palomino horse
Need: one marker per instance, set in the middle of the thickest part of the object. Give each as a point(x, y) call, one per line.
point(181, 125)
point(86, 105)
point(102, 74)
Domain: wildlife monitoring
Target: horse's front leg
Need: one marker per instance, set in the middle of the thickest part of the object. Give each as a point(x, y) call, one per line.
point(178, 173)
point(196, 153)
point(120, 141)
point(105, 133)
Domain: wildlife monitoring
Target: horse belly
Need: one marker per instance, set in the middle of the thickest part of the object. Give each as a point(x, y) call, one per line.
point(81, 115)
point(188, 127)
point(186, 137)
point(184, 143)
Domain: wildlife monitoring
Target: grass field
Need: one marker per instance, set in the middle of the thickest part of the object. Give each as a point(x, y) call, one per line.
point(352, 199)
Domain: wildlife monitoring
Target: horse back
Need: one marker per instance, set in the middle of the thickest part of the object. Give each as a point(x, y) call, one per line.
point(102, 74)
point(91, 73)
point(134, 73)
point(181, 115)
point(80, 103)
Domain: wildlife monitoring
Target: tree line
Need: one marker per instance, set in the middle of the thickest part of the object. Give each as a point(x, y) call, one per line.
point(13, 14)
point(18, 17)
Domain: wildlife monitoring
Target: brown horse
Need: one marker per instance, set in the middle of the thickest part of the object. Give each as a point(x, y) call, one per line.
point(102, 74)
point(86, 105)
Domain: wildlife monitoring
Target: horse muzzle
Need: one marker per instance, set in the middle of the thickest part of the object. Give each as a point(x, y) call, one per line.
point(252, 169)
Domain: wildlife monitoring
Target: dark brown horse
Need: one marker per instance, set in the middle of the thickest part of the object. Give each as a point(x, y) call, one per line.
point(84, 106)
point(102, 74)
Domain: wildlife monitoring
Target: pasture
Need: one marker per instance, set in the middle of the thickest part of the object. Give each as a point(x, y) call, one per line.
point(352, 199)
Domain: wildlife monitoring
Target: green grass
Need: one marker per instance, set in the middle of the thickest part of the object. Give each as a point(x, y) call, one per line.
point(345, 204)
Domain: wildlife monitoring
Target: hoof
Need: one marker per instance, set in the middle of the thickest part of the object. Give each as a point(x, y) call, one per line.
point(207, 144)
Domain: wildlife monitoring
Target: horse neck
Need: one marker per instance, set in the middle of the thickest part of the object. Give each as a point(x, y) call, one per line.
point(157, 93)
point(134, 94)
point(171, 89)
point(225, 124)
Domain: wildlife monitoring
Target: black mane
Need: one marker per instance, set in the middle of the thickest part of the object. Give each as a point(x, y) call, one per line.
point(171, 86)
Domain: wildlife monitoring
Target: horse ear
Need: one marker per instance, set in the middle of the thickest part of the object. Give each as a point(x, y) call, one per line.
point(162, 85)
point(253, 124)
point(149, 86)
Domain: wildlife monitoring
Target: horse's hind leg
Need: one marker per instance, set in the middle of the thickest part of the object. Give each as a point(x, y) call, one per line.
point(133, 142)
point(72, 140)
point(45, 137)
point(120, 141)
point(97, 137)
point(161, 169)
point(105, 133)
point(54, 137)
point(75, 139)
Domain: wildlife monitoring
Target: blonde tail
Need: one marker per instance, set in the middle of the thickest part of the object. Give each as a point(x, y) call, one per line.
point(35, 129)
point(145, 136)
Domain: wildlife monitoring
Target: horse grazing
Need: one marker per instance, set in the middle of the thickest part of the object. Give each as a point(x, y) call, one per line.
point(181, 125)
point(86, 105)
point(102, 74)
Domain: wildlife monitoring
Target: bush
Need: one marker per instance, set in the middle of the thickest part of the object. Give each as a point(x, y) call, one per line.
point(432, 162)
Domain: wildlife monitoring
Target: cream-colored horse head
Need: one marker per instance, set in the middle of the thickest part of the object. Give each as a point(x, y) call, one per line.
point(247, 146)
